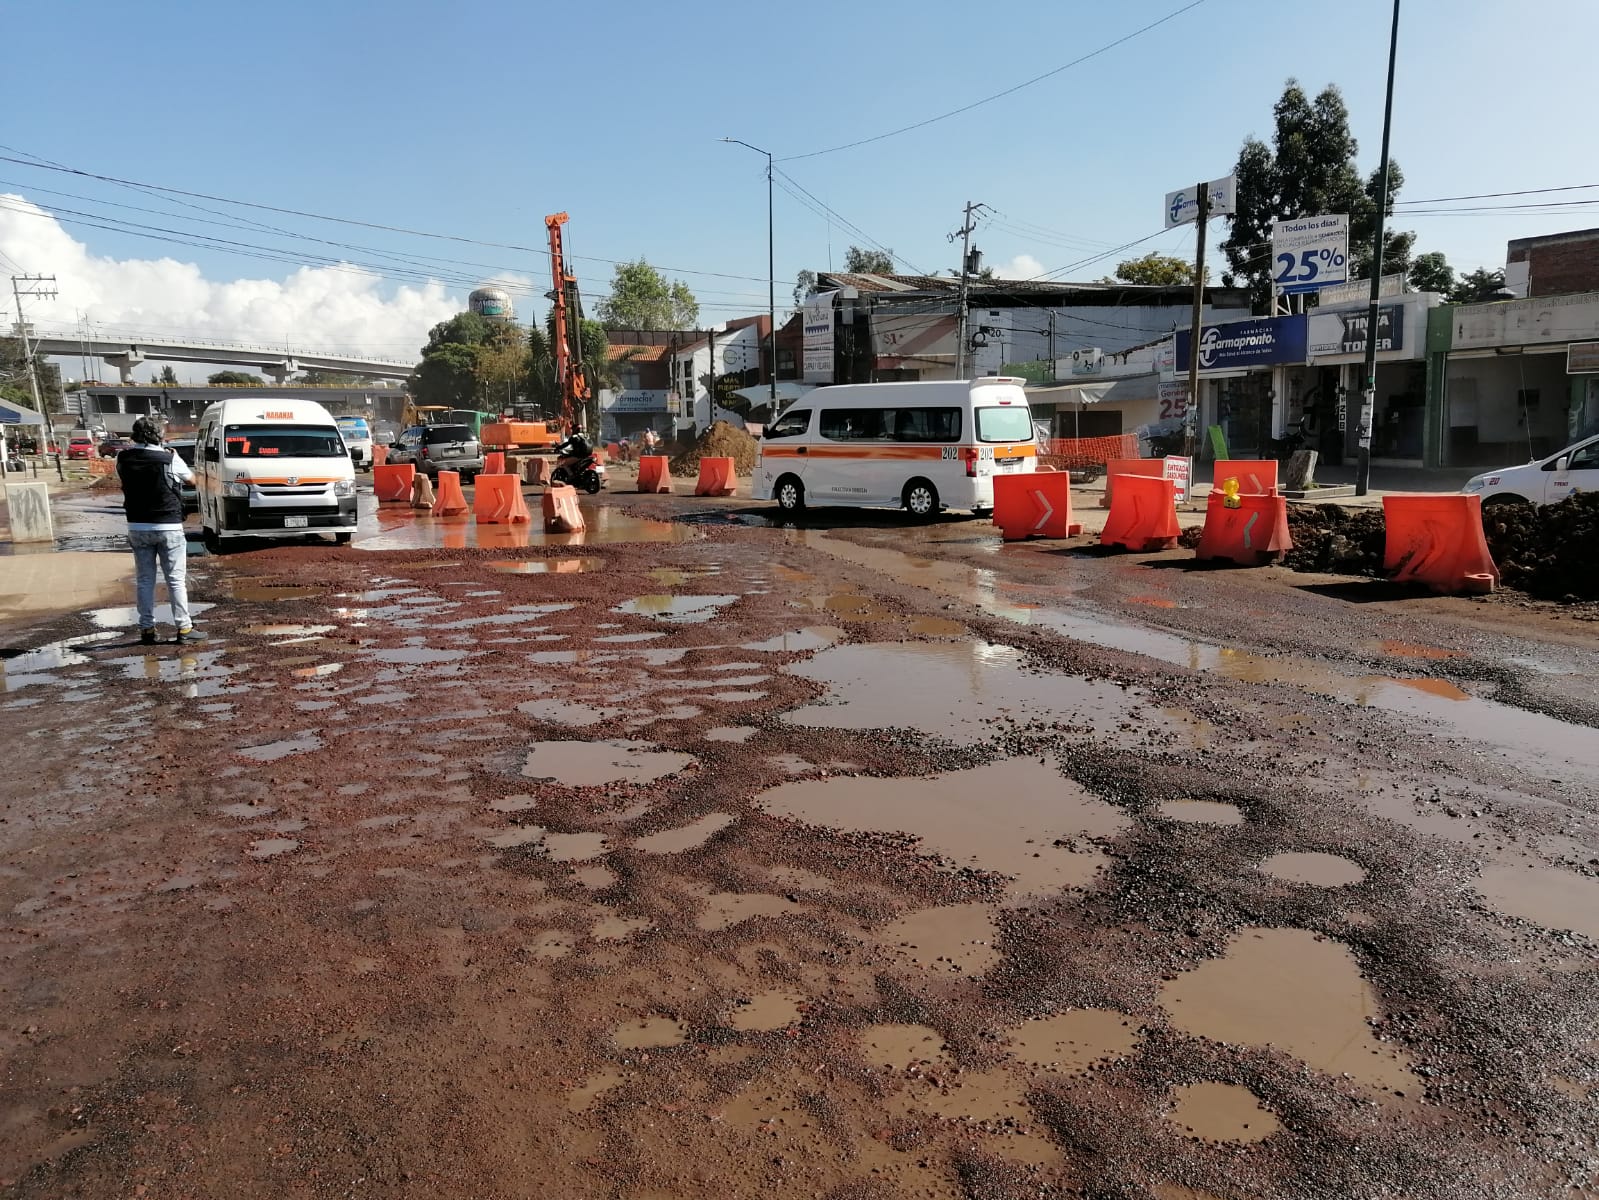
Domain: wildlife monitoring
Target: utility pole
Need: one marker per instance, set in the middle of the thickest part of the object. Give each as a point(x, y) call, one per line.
point(1191, 423)
point(771, 267)
point(31, 285)
point(1368, 398)
point(1052, 344)
point(965, 235)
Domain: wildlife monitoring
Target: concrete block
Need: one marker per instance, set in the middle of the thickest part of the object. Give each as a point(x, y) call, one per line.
point(29, 505)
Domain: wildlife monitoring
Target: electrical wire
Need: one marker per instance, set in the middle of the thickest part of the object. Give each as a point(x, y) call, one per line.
point(849, 225)
point(1571, 187)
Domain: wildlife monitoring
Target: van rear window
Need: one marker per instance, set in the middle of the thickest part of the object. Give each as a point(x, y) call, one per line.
point(282, 441)
point(1012, 423)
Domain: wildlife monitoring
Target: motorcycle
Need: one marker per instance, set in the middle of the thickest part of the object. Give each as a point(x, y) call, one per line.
point(584, 471)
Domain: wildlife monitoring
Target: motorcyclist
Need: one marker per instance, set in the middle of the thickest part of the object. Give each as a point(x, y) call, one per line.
point(575, 451)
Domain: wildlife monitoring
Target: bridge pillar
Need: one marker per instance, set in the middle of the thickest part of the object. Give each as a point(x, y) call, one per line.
point(125, 361)
point(279, 373)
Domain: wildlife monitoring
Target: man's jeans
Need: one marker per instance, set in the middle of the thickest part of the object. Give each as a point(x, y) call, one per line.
point(167, 548)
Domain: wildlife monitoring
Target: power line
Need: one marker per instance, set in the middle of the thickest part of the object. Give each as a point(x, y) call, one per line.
point(1572, 187)
point(954, 112)
point(848, 224)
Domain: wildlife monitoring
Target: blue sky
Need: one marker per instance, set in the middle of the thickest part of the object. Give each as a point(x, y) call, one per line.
point(478, 120)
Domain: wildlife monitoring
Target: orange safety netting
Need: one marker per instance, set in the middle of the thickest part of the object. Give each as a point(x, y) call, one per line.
point(1067, 453)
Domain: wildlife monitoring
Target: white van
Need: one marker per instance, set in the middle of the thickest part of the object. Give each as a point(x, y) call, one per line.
point(267, 466)
point(920, 446)
point(357, 435)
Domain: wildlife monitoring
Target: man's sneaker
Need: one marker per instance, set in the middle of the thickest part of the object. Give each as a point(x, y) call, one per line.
point(190, 634)
point(146, 637)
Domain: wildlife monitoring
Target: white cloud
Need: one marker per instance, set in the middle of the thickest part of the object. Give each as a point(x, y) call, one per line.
point(1023, 266)
point(344, 309)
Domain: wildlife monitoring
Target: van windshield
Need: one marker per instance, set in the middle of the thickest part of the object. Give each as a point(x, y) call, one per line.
point(355, 427)
point(282, 441)
point(1012, 423)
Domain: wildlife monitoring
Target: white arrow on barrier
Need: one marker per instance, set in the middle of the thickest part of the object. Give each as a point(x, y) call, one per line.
point(1049, 509)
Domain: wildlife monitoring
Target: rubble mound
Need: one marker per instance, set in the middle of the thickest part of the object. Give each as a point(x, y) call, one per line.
point(1335, 540)
point(1550, 552)
point(721, 440)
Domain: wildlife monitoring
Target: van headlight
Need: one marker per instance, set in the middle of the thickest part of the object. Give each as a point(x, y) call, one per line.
point(344, 487)
point(1476, 483)
point(236, 491)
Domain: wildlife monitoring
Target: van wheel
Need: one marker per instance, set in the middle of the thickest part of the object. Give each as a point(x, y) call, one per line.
point(790, 493)
point(1505, 501)
point(213, 543)
point(921, 499)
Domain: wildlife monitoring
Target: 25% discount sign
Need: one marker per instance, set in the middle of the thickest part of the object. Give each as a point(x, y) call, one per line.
point(1309, 253)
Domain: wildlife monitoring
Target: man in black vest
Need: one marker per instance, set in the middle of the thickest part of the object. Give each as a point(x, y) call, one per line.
point(153, 501)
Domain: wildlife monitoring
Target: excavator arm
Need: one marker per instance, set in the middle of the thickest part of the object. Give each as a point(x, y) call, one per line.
point(570, 378)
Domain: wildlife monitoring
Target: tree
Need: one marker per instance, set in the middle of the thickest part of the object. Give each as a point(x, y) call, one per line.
point(500, 365)
point(1156, 269)
point(168, 377)
point(598, 368)
point(1308, 170)
point(1431, 272)
point(447, 375)
point(235, 379)
point(463, 329)
point(868, 262)
point(1478, 285)
point(642, 298)
point(314, 377)
point(14, 385)
point(804, 286)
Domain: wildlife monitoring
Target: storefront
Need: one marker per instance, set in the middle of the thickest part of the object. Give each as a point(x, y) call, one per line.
point(1328, 405)
point(629, 412)
point(1248, 372)
point(1506, 386)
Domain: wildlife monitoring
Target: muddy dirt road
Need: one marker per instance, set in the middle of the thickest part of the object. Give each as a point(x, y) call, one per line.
point(700, 857)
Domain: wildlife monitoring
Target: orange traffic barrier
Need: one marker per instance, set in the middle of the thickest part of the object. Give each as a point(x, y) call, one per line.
point(1256, 476)
point(1129, 466)
point(1250, 533)
point(422, 492)
point(1143, 514)
point(1035, 505)
point(716, 478)
point(451, 499)
point(380, 455)
point(497, 500)
point(654, 473)
point(391, 483)
point(536, 470)
point(1437, 540)
point(561, 513)
point(614, 449)
point(494, 462)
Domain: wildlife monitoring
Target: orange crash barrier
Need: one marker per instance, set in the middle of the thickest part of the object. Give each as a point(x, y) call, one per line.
point(1251, 534)
point(716, 478)
point(391, 483)
point(494, 462)
point(1036, 505)
point(561, 513)
point(380, 455)
point(536, 470)
point(422, 492)
point(1256, 476)
point(654, 473)
point(1143, 514)
point(1130, 466)
point(1437, 540)
point(497, 500)
point(451, 500)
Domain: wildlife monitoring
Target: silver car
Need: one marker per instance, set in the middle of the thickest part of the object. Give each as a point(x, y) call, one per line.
point(435, 448)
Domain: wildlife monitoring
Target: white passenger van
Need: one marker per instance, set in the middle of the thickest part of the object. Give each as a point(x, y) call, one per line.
point(270, 467)
point(919, 446)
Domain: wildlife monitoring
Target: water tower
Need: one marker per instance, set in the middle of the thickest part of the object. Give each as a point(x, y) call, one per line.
point(492, 304)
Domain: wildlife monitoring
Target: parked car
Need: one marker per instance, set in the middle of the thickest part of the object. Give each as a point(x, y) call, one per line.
point(432, 448)
point(115, 445)
point(80, 447)
point(184, 449)
point(1543, 481)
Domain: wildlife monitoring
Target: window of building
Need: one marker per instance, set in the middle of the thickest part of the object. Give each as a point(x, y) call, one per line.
point(786, 367)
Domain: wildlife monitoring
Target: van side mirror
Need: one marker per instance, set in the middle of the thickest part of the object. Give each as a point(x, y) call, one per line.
point(1563, 463)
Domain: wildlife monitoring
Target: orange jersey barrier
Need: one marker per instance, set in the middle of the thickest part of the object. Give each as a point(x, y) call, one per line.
point(380, 455)
point(497, 500)
point(391, 483)
point(451, 500)
point(1129, 466)
point(494, 462)
point(1254, 533)
point(716, 478)
point(1256, 476)
point(1437, 540)
point(1143, 514)
point(1035, 505)
point(561, 513)
point(654, 473)
point(537, 470)
point(422, 492)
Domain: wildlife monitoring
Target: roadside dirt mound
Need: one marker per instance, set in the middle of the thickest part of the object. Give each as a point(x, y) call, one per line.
point(1335, 540)
point(1550, 552)
point(721, 440)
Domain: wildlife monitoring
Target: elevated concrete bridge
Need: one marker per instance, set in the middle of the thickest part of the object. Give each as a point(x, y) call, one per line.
point(275, 362)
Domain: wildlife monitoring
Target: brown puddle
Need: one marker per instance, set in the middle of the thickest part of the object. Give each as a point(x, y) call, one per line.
point(575, 847)
point(900, 1047)
point(957, 938)
point(1322, 870)
point(605, 524)
point(1546, 896)
point(936, 627)
point(241, 590)
point(723, 910)
point(1073, 1041)
point(595, 877)
point(675, 841)
point(730, 733)
point(287, 630)
point(682, 610)
point(847, 606)
point(272, 751)
point(1221, 1112)
point(271, 847)
point(567, 712)
point(617, 929)
point(768, 1011)
point(816, 637)
point(544, 566)
point(1292, 990)
point(1009, 817)
point(582, 1097)
point(591, 764)
point(956, 690)
point(649, 1034)
point(1202, 812)
point(1441, 688)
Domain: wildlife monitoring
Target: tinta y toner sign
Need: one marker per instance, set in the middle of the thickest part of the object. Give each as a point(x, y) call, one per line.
point(1261, 342)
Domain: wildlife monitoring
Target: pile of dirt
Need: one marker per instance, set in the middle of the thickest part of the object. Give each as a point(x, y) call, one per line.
point(721, 440)
point(1335, 540)
point(1550, 552)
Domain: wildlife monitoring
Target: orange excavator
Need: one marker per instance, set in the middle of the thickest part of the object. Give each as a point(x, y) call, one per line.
point(520, 438)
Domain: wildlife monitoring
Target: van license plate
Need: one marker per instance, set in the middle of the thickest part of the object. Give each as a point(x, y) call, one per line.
point(1008, 466)
point(296, 522)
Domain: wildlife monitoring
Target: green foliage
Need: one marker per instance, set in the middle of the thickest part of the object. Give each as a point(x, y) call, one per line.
point(1156, 269)
point(235, 379)
point(1034, 372)
point(447, 375)
point(642, 298)
point(804, 286)
point(14, 378)
point(168, 377)
point(1431, 272)
point(313, 377)
point(1478, 285)
point(868, 262)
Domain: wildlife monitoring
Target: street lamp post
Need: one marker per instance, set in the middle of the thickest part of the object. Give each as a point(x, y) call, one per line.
point(771, 268)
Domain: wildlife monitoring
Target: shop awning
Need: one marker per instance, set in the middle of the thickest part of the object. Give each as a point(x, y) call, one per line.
point(1104, 391)
point(15, 414)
